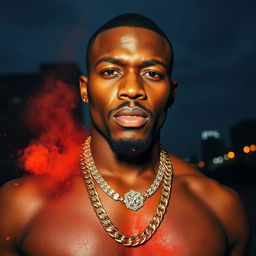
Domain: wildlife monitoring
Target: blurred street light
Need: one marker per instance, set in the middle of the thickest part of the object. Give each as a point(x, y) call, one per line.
point(246, 149)
point(231, 155)
point(252, 147)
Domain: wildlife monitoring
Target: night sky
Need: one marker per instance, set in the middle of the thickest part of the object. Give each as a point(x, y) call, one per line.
point(214, 44)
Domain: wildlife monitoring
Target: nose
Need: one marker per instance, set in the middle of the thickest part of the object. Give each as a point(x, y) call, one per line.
point(131, 87)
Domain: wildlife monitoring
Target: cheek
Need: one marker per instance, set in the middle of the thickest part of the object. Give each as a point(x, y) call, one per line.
point(159, 99)
point(101, 91)
point(100, 99)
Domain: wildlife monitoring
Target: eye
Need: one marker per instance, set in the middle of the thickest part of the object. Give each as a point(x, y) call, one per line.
point(153, 75)
point(109, 73)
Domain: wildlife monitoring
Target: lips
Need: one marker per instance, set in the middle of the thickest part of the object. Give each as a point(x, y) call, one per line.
point(130, 117)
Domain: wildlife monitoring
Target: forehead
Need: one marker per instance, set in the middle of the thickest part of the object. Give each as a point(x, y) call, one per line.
point(130, 42)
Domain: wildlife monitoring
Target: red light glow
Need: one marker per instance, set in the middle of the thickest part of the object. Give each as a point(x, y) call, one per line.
point(201, 164)
point(7, 238)
point(159, 243)
point(56, 149)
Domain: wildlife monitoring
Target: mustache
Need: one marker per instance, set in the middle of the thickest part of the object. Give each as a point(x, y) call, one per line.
point(130, 104)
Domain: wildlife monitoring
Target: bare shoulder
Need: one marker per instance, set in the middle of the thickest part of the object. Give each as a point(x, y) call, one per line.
point(223, 201)
point(22, 192)
point(208, 190)
point(20, 199)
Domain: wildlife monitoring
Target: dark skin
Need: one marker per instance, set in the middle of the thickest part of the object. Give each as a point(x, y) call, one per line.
point(203, 217)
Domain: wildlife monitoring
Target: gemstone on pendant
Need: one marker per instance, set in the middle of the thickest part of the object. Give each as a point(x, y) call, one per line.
point(105, 189)
point(133, 200)
point(111, 192)
point(116, 196)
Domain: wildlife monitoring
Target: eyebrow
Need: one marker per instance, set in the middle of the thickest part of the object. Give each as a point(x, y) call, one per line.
point(112, 60)
point(145, 63)
point(153, 62)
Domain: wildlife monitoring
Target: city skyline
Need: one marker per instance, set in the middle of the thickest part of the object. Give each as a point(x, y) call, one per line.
point(22, 86)
point(214, 54)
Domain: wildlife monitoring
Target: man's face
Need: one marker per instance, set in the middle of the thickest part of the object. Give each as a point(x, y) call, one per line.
point(129, 86)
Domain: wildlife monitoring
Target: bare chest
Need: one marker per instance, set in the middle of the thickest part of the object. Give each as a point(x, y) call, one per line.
point(70, 228)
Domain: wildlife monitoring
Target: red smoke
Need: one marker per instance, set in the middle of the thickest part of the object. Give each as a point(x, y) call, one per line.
point(160, 244)
point(56, 149)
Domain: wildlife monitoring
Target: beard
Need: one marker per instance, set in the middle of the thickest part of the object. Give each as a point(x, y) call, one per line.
point(129, 148)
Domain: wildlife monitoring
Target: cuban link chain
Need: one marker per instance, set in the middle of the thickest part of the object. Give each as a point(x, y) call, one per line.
point(104, 219)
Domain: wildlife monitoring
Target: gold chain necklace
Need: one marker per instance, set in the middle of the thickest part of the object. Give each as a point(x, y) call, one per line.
point(133, 200)
point(104, 219)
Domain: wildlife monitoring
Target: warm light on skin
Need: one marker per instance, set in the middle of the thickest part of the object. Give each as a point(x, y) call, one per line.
point(246, 149)
point(128, 65)
point(201, 164)
point(129, 42)
point(231, 155)
point(252, 147)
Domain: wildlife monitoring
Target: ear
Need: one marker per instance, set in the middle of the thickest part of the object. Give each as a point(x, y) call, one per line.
point(174, 85)
point(83, 88)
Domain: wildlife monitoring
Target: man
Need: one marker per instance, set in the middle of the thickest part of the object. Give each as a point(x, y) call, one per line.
point(127, 176)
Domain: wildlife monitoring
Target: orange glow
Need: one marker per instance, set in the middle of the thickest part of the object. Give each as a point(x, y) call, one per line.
point(231, 155)
point(201, 164)
point(56, 149)
point(246, 149)
point(252, 147)
point(160, 243)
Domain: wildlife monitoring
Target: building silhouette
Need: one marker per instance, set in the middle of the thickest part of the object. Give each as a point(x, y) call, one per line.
point(243, 134)
point(212, 146)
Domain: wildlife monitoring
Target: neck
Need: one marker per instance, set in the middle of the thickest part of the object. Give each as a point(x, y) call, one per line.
point(109, 163)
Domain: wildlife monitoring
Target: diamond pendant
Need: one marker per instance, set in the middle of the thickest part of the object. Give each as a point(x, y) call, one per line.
point(133, 200)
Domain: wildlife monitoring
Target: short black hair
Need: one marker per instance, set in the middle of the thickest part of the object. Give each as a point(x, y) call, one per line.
point(127, 20)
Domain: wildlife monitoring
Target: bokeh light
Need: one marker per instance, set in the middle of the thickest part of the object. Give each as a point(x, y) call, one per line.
point(201, 164)
point(231, 155)
point(252, 147)
point(226, 157)
point(246, 149)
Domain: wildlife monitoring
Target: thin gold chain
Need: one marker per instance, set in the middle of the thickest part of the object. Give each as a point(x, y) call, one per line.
point(104, 219)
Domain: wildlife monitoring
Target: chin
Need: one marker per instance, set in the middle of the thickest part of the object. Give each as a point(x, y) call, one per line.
point(129, 147)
